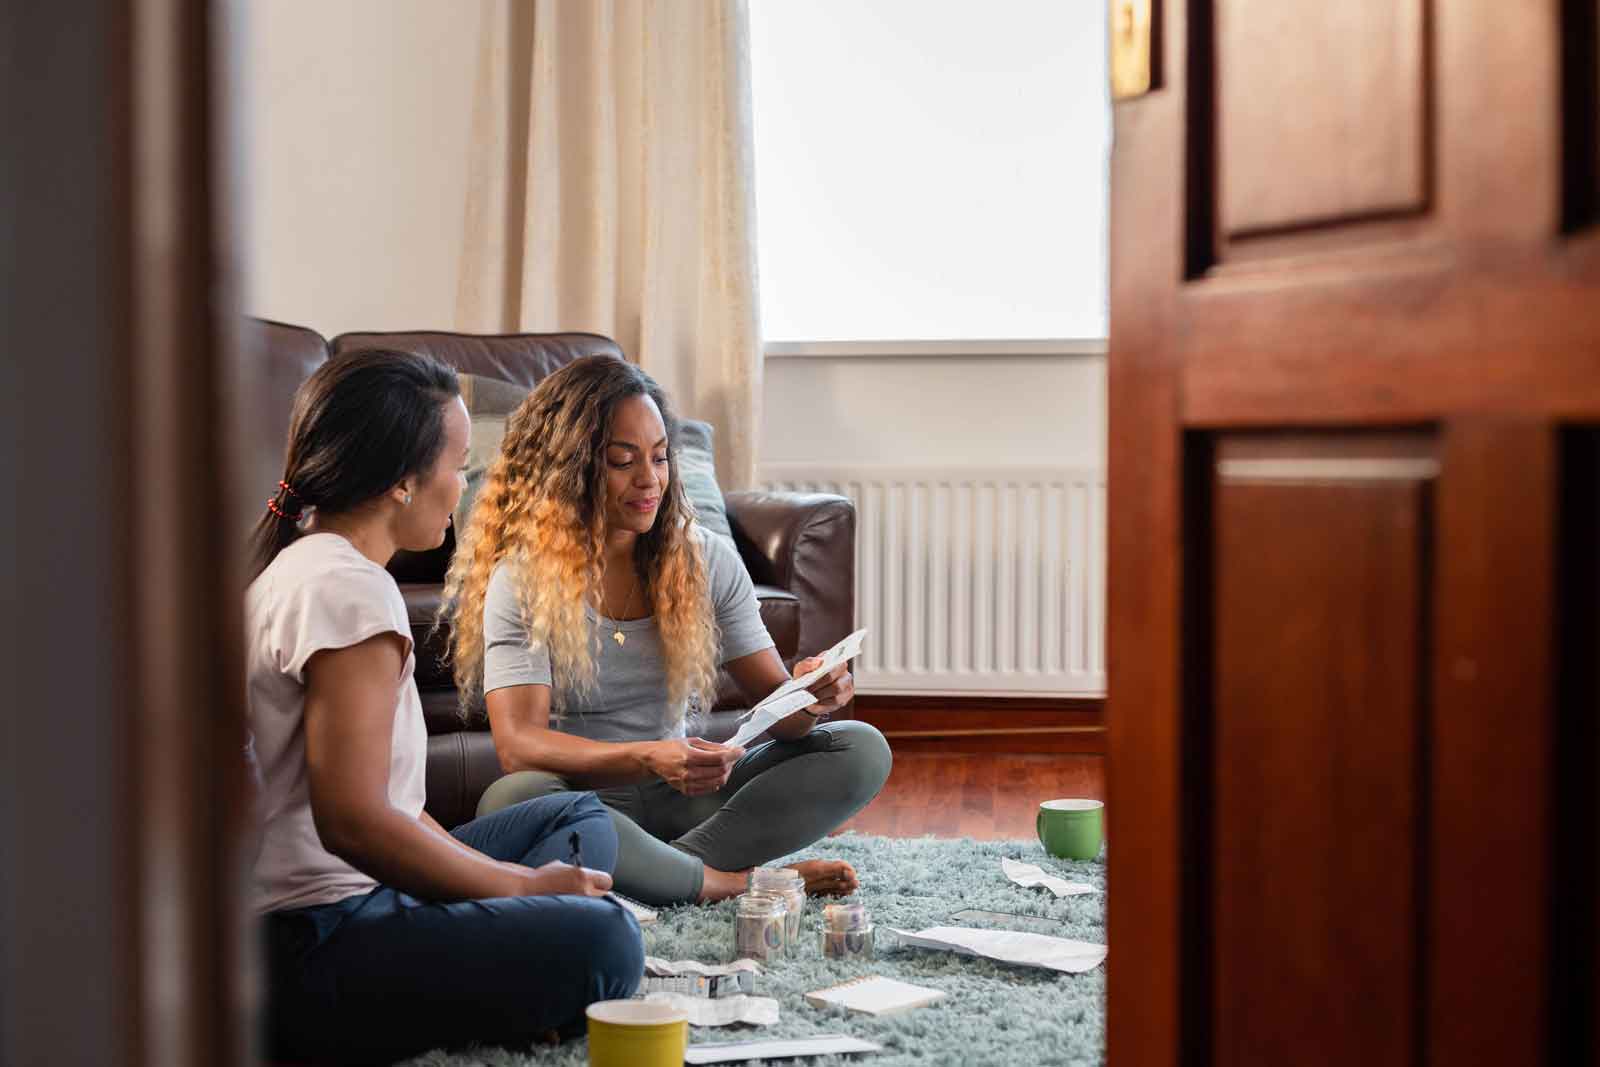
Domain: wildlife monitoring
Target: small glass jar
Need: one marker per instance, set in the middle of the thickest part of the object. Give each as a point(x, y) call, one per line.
point(788, 885)
point(846, 932)
point(759, 928)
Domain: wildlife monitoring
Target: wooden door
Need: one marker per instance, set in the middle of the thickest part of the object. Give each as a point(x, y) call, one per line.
point(1354, 380)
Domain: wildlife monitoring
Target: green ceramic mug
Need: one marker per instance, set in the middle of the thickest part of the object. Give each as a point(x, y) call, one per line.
point(1071, 828)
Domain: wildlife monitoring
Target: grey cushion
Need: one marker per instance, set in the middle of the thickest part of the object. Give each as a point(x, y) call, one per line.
point(490, 403)
point(697, 472)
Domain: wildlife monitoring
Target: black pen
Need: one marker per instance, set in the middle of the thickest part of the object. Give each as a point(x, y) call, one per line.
point(576, 842)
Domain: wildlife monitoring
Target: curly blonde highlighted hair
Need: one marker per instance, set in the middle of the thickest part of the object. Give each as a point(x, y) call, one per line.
point(542, 507)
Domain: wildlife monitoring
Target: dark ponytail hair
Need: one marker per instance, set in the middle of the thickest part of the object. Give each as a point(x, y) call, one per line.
point(361, 423)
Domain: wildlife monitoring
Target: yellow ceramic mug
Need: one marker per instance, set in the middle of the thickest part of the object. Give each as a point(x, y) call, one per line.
point(636, 1033)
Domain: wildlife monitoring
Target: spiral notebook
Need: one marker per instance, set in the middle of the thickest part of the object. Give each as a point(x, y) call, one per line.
point(875, 995)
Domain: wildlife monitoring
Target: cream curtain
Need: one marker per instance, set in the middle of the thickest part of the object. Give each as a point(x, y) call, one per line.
point(610, 190)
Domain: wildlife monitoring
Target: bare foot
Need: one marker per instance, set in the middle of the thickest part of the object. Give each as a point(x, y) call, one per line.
point(720, 885)
point(827, 878)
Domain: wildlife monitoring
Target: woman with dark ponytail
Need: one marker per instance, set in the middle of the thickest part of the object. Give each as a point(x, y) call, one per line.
point(385, 935)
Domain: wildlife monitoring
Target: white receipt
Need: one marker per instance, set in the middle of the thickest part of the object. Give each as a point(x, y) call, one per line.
point(724, 1011)
point(847, 649)
point(1009, 946)
point(780, 1049)
point(791, 696)
point(661, 968)
point(768, 712)
point(1029, 875)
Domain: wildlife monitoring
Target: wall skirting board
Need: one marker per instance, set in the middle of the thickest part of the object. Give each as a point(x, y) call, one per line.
point(987, 724)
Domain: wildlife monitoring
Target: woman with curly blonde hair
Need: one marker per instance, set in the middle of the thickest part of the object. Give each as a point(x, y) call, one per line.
point(593, 611)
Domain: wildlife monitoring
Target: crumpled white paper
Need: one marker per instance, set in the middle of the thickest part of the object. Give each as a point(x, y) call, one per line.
point(724, 1011)
point(661, 968)
point(1009, 946)
point(1029, 875)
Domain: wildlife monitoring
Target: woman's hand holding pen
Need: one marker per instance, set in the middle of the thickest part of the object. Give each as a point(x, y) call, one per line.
point(557, 877)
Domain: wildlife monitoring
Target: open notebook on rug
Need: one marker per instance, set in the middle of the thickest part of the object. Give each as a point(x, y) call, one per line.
point(875, 995)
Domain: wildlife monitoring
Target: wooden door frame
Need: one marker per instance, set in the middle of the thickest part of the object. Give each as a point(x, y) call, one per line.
point(1147, 559)
point(125, 940)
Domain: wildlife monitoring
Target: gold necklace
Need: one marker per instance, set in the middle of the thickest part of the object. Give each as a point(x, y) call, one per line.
point(616, 631)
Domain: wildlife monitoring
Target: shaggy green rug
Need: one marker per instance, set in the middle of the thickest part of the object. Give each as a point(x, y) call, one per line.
point(994, 1014)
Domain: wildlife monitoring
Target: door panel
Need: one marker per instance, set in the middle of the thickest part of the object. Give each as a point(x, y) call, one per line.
point(1369, 134)
point(1321, 564)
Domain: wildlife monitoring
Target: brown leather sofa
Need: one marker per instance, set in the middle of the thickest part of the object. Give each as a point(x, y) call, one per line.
point(799, 547)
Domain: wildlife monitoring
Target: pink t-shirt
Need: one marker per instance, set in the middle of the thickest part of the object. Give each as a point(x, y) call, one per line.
point(319, 594)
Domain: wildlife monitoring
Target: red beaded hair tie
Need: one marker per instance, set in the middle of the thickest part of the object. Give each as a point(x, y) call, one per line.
point(284, 488)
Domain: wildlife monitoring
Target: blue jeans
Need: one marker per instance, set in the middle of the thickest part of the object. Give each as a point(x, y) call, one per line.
point(383, 975)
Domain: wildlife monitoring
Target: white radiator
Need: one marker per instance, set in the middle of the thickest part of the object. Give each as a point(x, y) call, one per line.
point(974, 580)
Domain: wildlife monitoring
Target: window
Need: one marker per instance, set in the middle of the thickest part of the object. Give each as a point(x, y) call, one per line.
point(931, 171)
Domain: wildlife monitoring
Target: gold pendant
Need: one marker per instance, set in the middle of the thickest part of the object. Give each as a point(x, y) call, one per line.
point(616, 635)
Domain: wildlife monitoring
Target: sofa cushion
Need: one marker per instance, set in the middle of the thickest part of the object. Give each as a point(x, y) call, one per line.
point(432, 646)
point(460, 767)
point(523, 358)
point(490, 403)
point(442, 715)
point(282, 356)
point(286, 356)
point(697, 474)
point(780, 613)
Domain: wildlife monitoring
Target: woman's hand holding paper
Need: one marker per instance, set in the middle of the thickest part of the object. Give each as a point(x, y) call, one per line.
point(693, 766)
point(833, 690)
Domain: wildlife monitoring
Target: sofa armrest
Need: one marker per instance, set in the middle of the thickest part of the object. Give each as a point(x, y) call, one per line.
point(804, 543)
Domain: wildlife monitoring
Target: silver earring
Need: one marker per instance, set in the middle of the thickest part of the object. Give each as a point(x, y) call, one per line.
point(408, 498)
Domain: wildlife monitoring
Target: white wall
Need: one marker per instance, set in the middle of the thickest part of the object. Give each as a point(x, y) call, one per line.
point(916, 411)
point(358, 118)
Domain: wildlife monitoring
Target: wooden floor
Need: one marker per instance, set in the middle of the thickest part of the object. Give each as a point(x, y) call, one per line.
point(982, 796)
